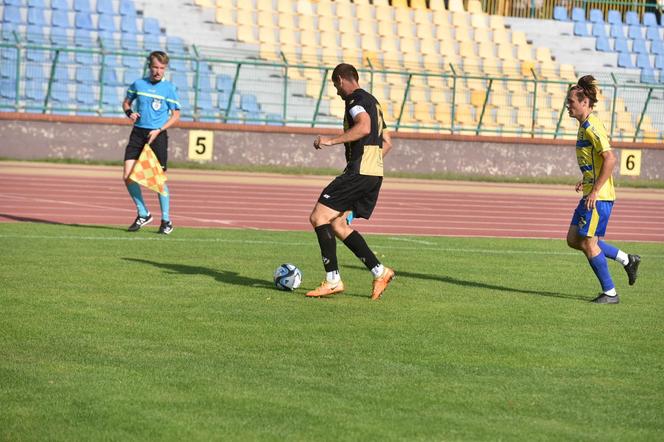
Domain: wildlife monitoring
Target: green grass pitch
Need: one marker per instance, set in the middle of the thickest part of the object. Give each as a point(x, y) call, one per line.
point(106, 335)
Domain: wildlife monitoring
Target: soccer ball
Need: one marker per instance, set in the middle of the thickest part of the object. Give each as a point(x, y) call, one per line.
point(287, 277)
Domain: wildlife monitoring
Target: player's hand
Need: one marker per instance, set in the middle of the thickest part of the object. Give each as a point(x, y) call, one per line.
point(134, 116)
point(319, 142)
point(152, 135)
point(579, 186)
point(590, 200)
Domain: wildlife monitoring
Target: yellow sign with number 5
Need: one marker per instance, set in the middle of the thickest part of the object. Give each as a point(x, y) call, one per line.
point(201, 144)
point(630, 162)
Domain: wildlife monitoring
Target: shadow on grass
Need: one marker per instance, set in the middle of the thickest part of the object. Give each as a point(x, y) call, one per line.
point(480, 285)
point(224, 276)
point(25, 219)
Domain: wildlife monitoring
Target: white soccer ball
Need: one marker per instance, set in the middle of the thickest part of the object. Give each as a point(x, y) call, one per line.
point(287, 277)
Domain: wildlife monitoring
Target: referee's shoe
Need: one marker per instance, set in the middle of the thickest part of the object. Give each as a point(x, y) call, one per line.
point(166, 227)
point(139, 222)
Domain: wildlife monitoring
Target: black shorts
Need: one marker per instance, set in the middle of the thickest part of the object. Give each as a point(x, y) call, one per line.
point(137, 140)
point(352, 192)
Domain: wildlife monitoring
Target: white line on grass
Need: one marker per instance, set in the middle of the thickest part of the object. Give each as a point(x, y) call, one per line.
point(423, 245)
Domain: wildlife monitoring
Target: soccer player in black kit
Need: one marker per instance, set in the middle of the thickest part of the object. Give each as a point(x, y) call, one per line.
point(356, 189)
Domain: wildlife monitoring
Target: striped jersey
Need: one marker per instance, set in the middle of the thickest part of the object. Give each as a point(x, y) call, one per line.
point(591, 141)
point(154, 101)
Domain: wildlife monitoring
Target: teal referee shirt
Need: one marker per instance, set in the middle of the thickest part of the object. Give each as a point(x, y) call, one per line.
point(153, 101)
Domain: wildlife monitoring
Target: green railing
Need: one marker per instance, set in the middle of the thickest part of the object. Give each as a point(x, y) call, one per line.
point(457, 100)
point(543, 9)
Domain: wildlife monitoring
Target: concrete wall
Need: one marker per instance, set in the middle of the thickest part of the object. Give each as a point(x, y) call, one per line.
point(24, 136)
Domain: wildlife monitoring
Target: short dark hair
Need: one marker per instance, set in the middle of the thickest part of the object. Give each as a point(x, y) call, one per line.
point(160, 56)
point(346, 71)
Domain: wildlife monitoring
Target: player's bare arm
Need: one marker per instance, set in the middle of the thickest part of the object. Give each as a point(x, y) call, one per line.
point(126, 107)
point(361, 129)
point(387, 142)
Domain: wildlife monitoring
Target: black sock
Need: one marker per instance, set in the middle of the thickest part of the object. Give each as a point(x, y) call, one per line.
point(356, 243)
point(328, 247)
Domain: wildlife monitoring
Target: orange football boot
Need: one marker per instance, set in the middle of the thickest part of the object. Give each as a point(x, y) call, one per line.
point(380, 283)
point(326, 289)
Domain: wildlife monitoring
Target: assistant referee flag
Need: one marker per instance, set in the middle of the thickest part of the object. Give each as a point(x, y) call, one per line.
point(148, 172)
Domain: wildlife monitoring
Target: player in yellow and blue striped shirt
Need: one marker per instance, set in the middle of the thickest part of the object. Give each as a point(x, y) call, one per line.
point(596, 161)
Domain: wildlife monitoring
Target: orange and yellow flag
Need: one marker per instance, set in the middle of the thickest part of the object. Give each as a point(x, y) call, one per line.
point(148, 172)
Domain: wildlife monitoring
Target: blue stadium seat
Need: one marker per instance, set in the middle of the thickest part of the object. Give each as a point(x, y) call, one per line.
point(34, 71)
point(596, 16)
point(60, 5)
point(661, 76)
point(602, 44)
point(648, 75)
point(36, 16)
point(61, 74)
point(35, 91)
point(614, 16)
point(128, 42)
point(85, 75)
point(175, 44)
point(129, 76)
point(107, 39)
point(657, 47)
point(634, 32)
point(12, 3)
point(8, 89)
point(106, 22)
point(177, 64)
point(205, 107)
point(625, 60)
point(643, 61)
point(83, 20)
point(578, 14)
point(60, 93)
point(82, 6)
point(617, 31)
point(180, 81)
point(7, 69)
point(224, 83)
point(253, 118)
point(82, 37)
point(86, 98)
point(650, 19)
point(151, 26)
point(59, 36)
point(151, 42)
point(599, 30)
point(59, 19)
point(133, 62)
point(653, 34)
point(84, 58)
point(581, 29)
point(632, 18)
point(110, 77)
point(249, 103)
point(128, 24)
point(36, 4)
point(12, 14)
point(659, 61)
point(560, 13)
point(105, 7)
point(7, 32)
point(276, 120)
point(127, 8)
point(37, 55)
point(35, 34)
point(639, 46)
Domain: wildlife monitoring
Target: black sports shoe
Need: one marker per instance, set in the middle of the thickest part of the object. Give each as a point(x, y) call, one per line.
point(632, 267)
point(140, 222)
point(603, 298)
point(166, 227)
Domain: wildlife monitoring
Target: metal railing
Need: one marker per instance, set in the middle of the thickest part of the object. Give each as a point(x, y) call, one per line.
point(456, 99)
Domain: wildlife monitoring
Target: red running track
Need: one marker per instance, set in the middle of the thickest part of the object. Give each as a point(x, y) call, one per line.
point(76, 194)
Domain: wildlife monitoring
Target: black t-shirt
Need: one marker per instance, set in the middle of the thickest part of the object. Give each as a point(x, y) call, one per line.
point(364, 156)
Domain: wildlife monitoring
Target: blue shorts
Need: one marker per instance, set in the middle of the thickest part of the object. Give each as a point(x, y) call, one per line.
point(592, 222)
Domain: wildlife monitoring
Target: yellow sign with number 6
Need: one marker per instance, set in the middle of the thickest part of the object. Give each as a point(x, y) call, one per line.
point(630, 162)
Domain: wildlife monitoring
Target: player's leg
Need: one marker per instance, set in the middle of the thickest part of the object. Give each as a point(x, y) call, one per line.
point(583, 236)
point(321, 218)
point(160, 147)
point(368, 189)
point(629, 262)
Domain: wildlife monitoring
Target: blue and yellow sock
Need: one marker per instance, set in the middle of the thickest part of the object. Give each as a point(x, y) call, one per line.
point(165, 203)
point(136, 194)
point(601, 269)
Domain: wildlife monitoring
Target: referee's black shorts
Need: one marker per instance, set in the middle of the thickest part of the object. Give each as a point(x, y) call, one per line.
point(138, 138)
point(352, 192)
